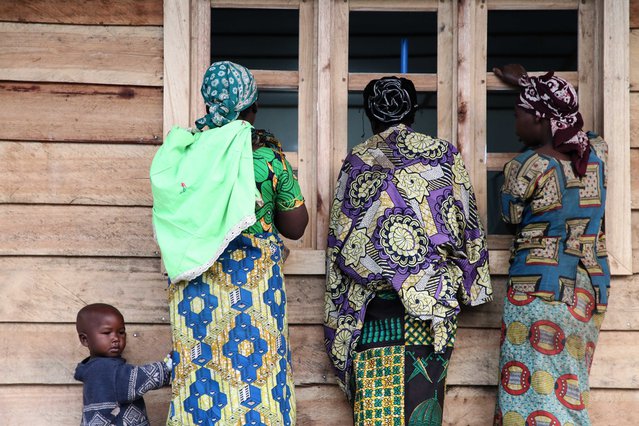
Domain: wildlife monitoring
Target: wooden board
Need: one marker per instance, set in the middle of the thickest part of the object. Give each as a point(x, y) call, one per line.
point(634, 122)
point(81, 54)
point(53, 289)
point(532, 5)
point(320, 405)
point(76, 230)
point(74, 173)
point(257, 4)
point(634, 14)
point(86, 12)
point(178, 99)
point(474, 362)
point(634, 178)
point(78, 112)
point(616, 121)
point(447, 71)
point(394, 6)
point(633, 56)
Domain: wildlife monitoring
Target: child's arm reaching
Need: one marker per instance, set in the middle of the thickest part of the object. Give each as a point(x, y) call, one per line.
point(132, 382)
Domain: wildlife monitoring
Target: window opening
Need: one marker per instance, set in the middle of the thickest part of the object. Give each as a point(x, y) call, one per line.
point(248, 37)
point(375, 41)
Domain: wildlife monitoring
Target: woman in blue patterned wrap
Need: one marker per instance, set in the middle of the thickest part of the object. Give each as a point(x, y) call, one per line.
point(554, 195)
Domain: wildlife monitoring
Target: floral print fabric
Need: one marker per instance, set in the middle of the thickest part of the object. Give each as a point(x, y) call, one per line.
point(404, 218)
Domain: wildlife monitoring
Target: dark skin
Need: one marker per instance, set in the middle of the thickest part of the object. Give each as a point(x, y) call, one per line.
point(291, 224)
point(533, 131)
point(101, 329)
point(378, 127)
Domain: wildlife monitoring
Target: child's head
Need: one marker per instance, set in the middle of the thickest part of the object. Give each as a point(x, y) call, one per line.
point(101, 329)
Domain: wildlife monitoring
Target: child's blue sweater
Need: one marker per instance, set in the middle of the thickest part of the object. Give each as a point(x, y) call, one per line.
point(113, 390)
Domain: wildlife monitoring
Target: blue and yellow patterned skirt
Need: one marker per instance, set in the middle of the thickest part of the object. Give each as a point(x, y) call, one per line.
point(230, 337)
point(546, 353)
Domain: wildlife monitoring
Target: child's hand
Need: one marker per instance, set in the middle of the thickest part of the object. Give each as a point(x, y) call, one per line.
point(168, 361)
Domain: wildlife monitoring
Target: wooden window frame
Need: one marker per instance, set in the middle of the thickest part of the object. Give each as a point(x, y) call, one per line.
point(323, 82)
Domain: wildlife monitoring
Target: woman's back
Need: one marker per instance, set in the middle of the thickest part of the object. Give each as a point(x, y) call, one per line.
point(560, 218)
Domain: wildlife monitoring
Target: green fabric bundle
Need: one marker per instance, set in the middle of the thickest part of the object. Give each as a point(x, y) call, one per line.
point(203, 195)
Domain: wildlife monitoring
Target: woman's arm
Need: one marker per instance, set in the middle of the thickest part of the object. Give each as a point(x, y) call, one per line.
point(510, 73)
point(292, 223)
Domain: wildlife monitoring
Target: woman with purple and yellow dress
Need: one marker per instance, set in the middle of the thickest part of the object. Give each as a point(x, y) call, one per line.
point(405, 247)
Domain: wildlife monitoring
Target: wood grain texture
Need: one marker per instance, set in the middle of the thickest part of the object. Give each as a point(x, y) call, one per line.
point(634, 178)
point(79, 112)
point(118, 55)
point(634, 59)
point(394, 6)
point(73, 173)
point(320, 405)
point(76, 230)
point(532, 5)
point(616, 120)
point(85, 12)
point(634, 14)
point(178, 71)
point(257, 4)
point(474, 362)
point(53, 289)
point(634, 122)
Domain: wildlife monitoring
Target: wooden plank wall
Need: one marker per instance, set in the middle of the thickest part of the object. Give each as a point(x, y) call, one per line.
point(81, 102)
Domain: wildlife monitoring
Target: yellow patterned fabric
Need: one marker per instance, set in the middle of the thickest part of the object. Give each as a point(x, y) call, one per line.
point(230, 334)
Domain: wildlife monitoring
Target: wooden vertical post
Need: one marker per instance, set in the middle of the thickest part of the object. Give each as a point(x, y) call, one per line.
point(200, 54)
point(324, 119)
point(447, 70)
point(177, 64)
point(471, 94)
point(616, 131)
point(307, 127)
point(589, 64)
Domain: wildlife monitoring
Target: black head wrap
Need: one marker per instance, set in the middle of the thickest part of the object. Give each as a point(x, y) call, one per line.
point(390, 100)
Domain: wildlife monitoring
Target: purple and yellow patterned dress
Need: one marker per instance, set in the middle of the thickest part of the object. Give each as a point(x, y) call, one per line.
point(557, 288)
point(405, 246)
point(229, 325)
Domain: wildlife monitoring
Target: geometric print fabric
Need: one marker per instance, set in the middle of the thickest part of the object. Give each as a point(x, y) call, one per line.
point(546, 353)
point(398, 378)
point(231, 339)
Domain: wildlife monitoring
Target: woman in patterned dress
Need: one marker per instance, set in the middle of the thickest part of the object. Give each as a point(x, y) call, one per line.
point(405, 246)
point(222, 196)
point(554, 194)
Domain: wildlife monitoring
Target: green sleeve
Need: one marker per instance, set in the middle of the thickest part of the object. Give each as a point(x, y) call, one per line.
point(288, 193)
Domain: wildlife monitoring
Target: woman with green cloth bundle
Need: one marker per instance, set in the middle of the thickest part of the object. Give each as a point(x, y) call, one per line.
point(221, 196)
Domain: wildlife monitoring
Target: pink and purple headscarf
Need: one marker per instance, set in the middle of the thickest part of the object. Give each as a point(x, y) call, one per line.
point(554, 98)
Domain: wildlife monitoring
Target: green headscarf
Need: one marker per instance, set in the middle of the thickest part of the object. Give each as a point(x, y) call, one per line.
point(227, 89)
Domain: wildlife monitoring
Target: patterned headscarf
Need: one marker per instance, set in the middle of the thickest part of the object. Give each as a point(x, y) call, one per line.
point(390, 99)
point(554, 98)
point(227, 89)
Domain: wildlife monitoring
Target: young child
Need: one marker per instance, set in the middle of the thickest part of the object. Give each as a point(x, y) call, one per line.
point(113, 389)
